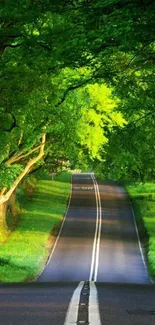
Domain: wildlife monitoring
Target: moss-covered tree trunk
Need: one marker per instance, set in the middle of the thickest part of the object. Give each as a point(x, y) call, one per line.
point(3, 209)
point(12, 204)
point(8, 197)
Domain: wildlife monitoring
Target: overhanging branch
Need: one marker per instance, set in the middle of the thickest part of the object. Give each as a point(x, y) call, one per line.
point(16, 158)
point(4, 198)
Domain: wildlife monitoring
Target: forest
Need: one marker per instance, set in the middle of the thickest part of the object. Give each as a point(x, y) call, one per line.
point(76, 86)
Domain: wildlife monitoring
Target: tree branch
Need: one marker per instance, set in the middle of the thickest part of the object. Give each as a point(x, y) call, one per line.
point(136, 121)
point(45, 46)
point(2, 191)
point(4, 198)
point(16, 158)
point(74, 87)
point(134, 57)
point(13, 46)
point(140, 118)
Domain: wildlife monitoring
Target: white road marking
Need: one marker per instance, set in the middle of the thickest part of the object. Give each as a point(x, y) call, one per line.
point(83, 188)
point(95, 238)
point(55, 244)
point(72, 312)
point(52, 252)
point(99, 234)
point(93, 310)
point(96, 245)
point(93, 306)
point(139, 243)
point(138, 237)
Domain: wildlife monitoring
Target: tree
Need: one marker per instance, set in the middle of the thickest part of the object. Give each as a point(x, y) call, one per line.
point(53, 54)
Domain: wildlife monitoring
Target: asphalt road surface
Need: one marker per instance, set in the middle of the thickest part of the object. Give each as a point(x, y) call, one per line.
point(117, 256)
point(96, 273)
point(47, 304)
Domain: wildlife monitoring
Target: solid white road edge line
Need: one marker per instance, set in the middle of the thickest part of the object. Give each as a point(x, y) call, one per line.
point(93, 309)
point(55, 244)
point(96, 231)
point(139, 243)
point(72, 312)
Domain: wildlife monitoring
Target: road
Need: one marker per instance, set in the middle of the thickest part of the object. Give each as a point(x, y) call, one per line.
point(117, 251)
point(47, 303)
point(96, 273)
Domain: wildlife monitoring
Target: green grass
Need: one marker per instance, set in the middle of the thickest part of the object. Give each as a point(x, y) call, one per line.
point(23, 255)
point(143, 199)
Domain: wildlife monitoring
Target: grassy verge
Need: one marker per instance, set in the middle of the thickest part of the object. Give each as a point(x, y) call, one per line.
point(22, 257)
point(143, 199)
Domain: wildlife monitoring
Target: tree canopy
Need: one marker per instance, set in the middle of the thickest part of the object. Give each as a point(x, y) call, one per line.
point(77, 83)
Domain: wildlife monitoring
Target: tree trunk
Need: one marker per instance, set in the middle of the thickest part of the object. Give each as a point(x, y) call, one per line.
point(12, 205)
point(5, 197)
point(3, 209)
